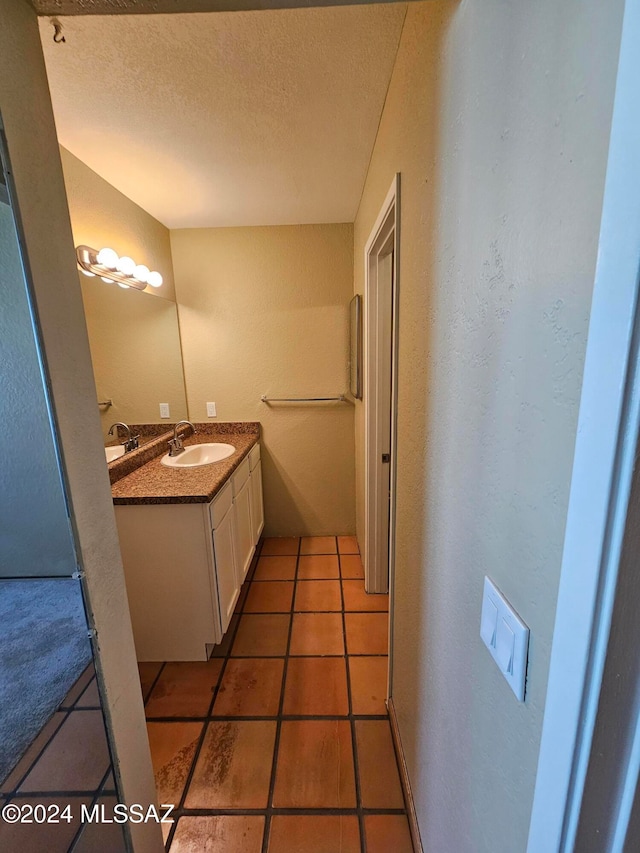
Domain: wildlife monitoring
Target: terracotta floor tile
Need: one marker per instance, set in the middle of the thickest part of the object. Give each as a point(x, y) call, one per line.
point(317, 634)
point(221, 649)
point(379, 778)
point(219, 834)
point(315, 765)
point(280, 546)
point(368, 684)
point(91, 697)
point(262, 636)
point(318, 545)
point(34, 749)
point(315, 834)
point(250, 687)
point(348, 545)
point(102, 837)
point(386, 832)
point(367, 633)
point(148, 673)
point(355, 598)
point(76, 759)
point(351, 566)
point(318, 567)
point(318, 596)
point(276, 569)
point(316, 686)
point(173, 746)
point(233, 770)
point(40, 837)
point(184, 689)
point(269, 597)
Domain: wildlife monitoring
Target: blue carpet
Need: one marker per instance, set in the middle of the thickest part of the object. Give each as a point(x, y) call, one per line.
point(44, 647)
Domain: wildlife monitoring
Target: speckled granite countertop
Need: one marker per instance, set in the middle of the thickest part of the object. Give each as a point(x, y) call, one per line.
point(155, 483)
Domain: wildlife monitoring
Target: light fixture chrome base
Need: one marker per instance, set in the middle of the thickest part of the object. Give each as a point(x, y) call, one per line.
point(88, 261)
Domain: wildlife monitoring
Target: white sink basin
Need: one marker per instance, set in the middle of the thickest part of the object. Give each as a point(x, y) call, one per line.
point(114, 452)
point(199, 454)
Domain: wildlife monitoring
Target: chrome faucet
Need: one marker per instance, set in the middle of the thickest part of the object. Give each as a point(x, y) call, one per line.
point(176, 444)
point(131, 442)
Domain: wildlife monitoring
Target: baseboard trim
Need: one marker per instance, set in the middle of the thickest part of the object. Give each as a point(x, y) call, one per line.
point(404, 779)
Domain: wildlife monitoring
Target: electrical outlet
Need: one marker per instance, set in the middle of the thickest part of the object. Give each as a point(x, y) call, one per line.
point(211, 410)
point(164, 410)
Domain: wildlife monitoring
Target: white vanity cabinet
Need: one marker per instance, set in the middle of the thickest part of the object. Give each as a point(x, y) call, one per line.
point(257, 505)
point(184, 565)
point(245, 544)
point(221, 512)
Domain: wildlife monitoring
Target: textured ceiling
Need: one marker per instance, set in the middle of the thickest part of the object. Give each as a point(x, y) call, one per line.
point(139, 7)
point(233, 118)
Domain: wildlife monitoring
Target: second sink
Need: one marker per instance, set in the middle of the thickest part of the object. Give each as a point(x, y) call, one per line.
point(199, 454)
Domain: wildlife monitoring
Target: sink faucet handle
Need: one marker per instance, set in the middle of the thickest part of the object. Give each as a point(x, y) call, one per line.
point(176, 446)
point(132, 443)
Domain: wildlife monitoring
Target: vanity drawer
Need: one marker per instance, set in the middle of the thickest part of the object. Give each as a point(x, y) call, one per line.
point(220, 505)
point(240, 476)
point(254, 456)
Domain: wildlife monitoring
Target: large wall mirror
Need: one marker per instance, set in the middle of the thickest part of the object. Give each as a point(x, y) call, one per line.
point(134, 339)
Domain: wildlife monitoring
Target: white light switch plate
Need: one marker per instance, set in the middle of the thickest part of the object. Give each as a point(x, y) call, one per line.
point(211, 410)
point(164, 410)
point(506, 636)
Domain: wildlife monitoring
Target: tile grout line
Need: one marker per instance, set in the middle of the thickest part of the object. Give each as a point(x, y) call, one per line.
point(276, 745)
point(205, 725)
point(352, 725)
point(145, 699)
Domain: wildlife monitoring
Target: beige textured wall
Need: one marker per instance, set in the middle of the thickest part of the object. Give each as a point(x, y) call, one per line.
point(134, 336)
point(265, 311)
point(497, 117)
point(33, 149)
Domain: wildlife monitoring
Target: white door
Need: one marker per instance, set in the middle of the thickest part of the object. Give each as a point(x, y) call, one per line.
point(224, 553)
point(384, 298)
point(257, 506)
point(244, 530)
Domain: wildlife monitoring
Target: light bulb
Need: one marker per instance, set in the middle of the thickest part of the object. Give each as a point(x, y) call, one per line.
point(108, 280)
point(141, 272)
point(86, 272)
point(154, 279)
point(124, 286)
point(108, 258)
point(126, 265)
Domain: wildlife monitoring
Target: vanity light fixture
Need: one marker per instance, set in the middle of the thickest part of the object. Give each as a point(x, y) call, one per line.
point(110, 268)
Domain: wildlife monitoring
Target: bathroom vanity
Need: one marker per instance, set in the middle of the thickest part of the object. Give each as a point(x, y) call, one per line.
point(187, 539)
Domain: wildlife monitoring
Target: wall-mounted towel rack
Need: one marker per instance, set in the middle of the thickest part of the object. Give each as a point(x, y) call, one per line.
point(340, 398)
point(105, 402)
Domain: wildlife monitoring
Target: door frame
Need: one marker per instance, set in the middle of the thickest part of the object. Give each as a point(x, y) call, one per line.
point(606, 446)
point(386, 226)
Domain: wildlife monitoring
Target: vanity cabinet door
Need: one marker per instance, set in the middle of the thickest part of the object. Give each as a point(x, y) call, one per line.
point(257, 506)
point(224, 553)
point(244, 530)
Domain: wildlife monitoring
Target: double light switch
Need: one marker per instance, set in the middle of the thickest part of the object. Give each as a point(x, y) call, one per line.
point(506, 636)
